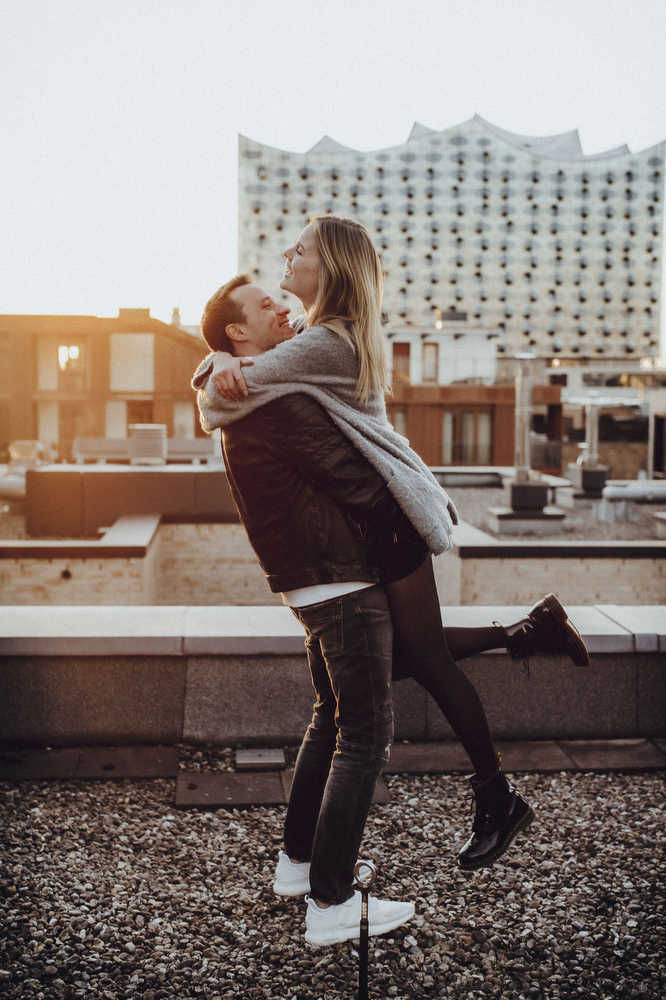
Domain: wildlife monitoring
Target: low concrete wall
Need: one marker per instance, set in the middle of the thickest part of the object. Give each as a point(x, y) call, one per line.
point(145, 560)
point(71, 676)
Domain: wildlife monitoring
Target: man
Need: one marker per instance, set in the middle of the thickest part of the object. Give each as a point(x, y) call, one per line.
point(298, 484)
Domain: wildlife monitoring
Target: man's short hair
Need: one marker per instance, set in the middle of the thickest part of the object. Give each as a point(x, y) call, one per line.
point(220, 311)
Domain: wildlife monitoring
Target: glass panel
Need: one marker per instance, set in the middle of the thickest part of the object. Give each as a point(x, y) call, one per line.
point(484, 441)
point(448, 437)
point(467, 456)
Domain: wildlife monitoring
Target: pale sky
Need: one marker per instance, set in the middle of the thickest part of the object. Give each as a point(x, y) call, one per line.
point(119, 119)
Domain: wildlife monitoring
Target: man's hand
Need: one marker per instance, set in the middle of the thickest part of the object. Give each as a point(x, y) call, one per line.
point(229, 380)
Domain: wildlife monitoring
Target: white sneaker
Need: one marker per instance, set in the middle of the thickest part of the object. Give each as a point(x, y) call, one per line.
point(342, 921)
point(291, 879)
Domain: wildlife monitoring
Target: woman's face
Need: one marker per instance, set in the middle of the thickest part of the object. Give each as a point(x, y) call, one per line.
point(301, 272)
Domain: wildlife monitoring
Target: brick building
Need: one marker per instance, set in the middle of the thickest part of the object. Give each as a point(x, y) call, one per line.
point(84, 376)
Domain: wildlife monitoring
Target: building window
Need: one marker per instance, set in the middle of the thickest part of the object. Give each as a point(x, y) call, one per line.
point(467, 437)
point(400, 373)
point(430, 362)
point(132, 363)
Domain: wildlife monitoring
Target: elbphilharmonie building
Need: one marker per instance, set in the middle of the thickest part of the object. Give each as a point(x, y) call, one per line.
point(558, 250)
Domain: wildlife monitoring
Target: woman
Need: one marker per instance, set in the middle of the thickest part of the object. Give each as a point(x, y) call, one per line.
point(340, 359)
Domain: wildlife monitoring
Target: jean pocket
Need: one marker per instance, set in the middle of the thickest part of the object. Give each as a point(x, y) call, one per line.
point(323, 621)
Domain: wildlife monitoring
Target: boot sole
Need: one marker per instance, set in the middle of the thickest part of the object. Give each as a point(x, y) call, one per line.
point(490, 859)
point(578, 651)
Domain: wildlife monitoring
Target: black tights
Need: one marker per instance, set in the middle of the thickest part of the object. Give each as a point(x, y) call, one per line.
point(422, 651)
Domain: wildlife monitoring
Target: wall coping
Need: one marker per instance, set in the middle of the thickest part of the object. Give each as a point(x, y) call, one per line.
point(129, 537)
point(101, 630)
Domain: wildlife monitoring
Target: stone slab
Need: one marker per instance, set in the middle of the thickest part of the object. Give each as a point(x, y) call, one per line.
point(409, 710)
point(39, 765)
point(253, 701)
point(128, 762)
point(91, 630)
point(660, 745)
point(614, 755)
point(648, 625)
point(555, 701)
point(527, 756)
point(381, 797)
point(212, 790)
point(260, 759)
point(428, 758)
point(651, 713)
point(241, 630)
point(104, 700)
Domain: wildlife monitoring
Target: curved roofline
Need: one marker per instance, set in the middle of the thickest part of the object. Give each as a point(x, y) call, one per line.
point(564, 146)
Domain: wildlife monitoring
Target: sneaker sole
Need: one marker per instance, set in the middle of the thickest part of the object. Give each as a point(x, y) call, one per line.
point(291, 891)
point(578, 650)
point(355, 932)
point(490, 859)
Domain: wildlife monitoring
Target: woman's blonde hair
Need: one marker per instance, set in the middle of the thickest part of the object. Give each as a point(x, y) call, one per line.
point(349, 298)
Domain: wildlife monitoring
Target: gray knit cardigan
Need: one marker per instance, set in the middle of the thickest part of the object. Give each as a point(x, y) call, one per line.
point(320, 363)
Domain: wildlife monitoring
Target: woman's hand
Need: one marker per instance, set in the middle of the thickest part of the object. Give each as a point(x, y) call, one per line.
point(228, 377)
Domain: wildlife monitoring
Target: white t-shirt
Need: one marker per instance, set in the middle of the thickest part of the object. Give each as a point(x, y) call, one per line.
point(304, 596)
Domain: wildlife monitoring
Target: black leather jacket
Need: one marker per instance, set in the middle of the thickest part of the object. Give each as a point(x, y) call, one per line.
point(303, 492)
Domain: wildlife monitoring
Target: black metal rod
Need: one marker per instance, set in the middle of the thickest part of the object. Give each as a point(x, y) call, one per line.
point(365, 873)
point(363, 948)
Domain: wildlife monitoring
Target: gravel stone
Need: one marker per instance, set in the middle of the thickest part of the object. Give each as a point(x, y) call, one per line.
point(107, 891)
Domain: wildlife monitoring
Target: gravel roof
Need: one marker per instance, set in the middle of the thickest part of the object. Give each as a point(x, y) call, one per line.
point(108, 891)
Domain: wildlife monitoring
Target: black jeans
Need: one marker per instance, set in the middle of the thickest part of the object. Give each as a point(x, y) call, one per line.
point(349, 646)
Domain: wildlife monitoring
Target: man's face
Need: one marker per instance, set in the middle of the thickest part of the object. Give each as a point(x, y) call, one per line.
point(266, 323)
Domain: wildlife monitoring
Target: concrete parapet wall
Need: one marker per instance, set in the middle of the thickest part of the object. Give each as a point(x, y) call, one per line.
point(238, 675)
point(144, 559)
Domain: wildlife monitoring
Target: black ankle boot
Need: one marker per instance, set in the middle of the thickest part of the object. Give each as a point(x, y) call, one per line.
point(546, 629)
point(501, 813)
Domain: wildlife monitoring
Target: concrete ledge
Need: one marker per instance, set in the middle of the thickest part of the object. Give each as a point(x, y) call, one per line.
point(238, 675)
point(498, 548)
point(101, 630)
point(130, 537)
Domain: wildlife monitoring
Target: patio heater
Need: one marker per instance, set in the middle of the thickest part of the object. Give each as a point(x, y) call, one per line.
point(526, 494)
point(587, 473)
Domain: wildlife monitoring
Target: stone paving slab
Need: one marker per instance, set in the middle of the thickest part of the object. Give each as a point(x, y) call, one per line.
point(39, 765)
point(424, 758)
point(614, 755)
point(143, 762)
point(260, 759)
point(381, 797)
point(128, 762)
point(211, 789)
point(534, 755)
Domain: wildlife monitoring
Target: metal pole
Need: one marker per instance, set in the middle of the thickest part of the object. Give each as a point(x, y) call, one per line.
point(591, 435)
point(364, 881)
point(523, 425)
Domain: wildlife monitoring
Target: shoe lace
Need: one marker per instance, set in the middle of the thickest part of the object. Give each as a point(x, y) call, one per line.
point(526, 659)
